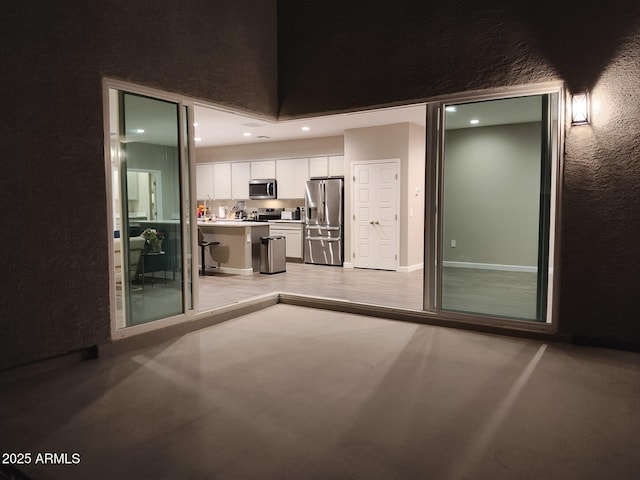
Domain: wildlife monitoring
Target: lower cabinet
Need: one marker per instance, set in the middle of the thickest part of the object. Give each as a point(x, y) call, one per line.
point(293, 233)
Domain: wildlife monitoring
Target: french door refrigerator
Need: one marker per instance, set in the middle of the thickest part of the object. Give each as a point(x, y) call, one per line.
point(323, 231)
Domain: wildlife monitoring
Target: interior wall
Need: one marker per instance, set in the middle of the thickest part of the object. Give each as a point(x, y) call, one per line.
point(399, 141)
point(415, 194)
point(492, 194)
point(344, 57)
point(57, 54)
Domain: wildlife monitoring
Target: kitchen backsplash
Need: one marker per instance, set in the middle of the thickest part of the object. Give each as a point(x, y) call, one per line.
point(255, 204)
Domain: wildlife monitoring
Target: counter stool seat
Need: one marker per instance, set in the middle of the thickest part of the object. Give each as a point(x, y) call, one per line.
point(203, 244)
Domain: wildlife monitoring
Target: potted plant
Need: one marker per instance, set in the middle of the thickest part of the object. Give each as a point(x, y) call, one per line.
point(153, 240)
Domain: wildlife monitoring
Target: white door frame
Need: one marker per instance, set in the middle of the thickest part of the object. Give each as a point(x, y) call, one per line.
point(353, 205)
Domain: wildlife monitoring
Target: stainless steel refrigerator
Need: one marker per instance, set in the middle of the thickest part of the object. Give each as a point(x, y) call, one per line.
point(323, 231)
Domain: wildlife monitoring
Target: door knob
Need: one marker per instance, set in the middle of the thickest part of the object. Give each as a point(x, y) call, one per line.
point(377, 222)
point(371, 222)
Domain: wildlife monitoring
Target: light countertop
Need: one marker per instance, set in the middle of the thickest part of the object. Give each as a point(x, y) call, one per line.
point(232, 223)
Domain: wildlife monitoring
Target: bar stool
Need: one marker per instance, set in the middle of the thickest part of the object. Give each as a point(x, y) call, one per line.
point(203, 244)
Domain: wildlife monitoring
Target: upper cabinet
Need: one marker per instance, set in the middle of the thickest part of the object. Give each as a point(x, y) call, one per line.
point(222, 181)
point(263, 169)
point(300, 176)
point(326, 166)
point(240, 176)
point(291, 176)
point(318, 167)
point(204, 181)
point(230, 180)
point(336, 166)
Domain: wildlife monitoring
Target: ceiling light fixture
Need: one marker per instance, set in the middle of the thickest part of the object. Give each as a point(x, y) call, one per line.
point(475, 121)
point(450, 108)
point(197, 139)
point(305, 129)
point(246, 134)
point(136, 130)
point(195, 124)
point(580, 108)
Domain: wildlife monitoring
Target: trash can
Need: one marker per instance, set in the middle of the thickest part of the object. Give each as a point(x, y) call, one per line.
point(273, 254)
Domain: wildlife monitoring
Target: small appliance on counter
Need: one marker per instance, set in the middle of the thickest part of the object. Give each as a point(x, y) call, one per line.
point(240, 212)
point(291, 214)
point(266, 214)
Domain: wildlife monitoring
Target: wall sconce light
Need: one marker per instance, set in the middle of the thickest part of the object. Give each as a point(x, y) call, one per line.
point(580, 108)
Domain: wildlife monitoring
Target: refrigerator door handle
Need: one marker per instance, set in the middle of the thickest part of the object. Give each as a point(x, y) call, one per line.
point(327, 239)
point(318, 227)
point(323, 193)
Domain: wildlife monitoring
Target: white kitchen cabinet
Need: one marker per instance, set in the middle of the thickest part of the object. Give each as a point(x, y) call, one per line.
point(263, 169)
point(326, 166)
point(284, 177)
point(291, 175)
point(222, 181)
point(293, 234)
point(204, 181)
point(318, 167)
point(300, 176)
point(336, 166)
point(240, 176)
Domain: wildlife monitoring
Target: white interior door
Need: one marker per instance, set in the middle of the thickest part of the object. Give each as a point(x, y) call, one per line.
point(375, 208)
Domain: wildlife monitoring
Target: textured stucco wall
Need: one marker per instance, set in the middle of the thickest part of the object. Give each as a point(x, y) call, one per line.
point(54, 295)
point(352, 55)
point(601, 217)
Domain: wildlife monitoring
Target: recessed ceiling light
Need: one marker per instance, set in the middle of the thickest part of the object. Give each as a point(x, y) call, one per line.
point(137, 130)
point(198, 139)
point(450, 108)
point(195, 124)
point(474, 121)
point(246, 134)
point(305, 129)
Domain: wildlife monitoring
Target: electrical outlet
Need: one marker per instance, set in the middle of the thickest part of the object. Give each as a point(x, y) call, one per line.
point(453, 244)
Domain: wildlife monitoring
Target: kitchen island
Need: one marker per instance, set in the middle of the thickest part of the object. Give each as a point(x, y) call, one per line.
point(239, 249)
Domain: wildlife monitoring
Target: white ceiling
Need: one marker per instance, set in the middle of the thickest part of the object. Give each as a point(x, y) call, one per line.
point(215, 127)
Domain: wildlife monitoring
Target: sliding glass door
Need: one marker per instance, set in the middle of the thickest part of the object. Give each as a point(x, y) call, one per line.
point(496, 176)
point(150, 180)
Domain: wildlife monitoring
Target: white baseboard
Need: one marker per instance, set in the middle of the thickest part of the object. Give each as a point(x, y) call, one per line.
point(410, 268)
point(347, 265)
point(235, 271)
point(491, 266)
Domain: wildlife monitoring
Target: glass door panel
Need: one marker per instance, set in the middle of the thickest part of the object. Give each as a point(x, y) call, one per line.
point(496, 184)
point(150, 198)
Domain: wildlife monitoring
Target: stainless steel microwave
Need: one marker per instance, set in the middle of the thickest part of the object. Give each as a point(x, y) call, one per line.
point(263, 189)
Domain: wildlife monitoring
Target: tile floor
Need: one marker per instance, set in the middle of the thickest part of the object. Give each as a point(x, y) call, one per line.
point(296, 393)
point(498, 293)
